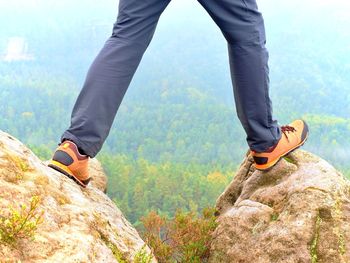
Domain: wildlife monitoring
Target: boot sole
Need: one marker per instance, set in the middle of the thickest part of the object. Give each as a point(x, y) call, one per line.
point(273, 163)
point(64, 170)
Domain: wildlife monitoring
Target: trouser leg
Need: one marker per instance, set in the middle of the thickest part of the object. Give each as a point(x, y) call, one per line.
point(111, 72)
point(243, 27)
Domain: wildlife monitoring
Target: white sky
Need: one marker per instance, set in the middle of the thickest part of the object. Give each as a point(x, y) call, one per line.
point(183, 3)
point(338, 9)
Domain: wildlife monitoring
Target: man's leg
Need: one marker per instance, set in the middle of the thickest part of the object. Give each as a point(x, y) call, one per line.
point(243, 28)
point(105, 86)
point(111, 73)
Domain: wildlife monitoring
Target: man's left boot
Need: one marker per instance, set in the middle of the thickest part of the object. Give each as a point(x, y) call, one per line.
point(71, 163)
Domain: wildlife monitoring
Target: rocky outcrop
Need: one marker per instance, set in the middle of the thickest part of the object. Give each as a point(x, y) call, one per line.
point(299, 211)
point(99, 179)
point(74, 224)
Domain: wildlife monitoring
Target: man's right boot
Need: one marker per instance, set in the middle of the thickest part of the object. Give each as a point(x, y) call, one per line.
point(294, 135)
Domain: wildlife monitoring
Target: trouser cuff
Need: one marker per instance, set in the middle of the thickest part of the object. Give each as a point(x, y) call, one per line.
point(88, 150)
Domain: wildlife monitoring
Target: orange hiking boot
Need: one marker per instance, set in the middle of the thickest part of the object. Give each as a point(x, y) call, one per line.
point(71, 163)
point(294, 135)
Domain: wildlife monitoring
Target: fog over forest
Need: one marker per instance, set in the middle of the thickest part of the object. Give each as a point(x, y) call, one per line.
point(54, 42)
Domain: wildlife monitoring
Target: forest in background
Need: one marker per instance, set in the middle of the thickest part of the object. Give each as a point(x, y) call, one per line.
point(176, 140)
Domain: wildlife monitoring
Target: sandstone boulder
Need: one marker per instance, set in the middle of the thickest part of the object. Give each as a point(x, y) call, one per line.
point(299, 211)
point(77, 225)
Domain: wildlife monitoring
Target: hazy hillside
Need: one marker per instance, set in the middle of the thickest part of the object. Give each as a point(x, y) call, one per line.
point(178, 116)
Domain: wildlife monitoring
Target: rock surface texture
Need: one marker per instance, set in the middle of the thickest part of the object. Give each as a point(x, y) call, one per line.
point(78, 225)
point(299, 211)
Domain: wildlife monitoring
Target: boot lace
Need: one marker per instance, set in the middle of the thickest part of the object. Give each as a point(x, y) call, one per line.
point(287, 129)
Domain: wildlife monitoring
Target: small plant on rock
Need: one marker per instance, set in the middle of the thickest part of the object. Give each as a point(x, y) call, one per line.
point(20, 223)
point(184, 238)
point(142, 256)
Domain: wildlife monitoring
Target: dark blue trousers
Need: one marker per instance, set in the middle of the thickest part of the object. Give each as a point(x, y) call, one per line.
point(111, 72)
